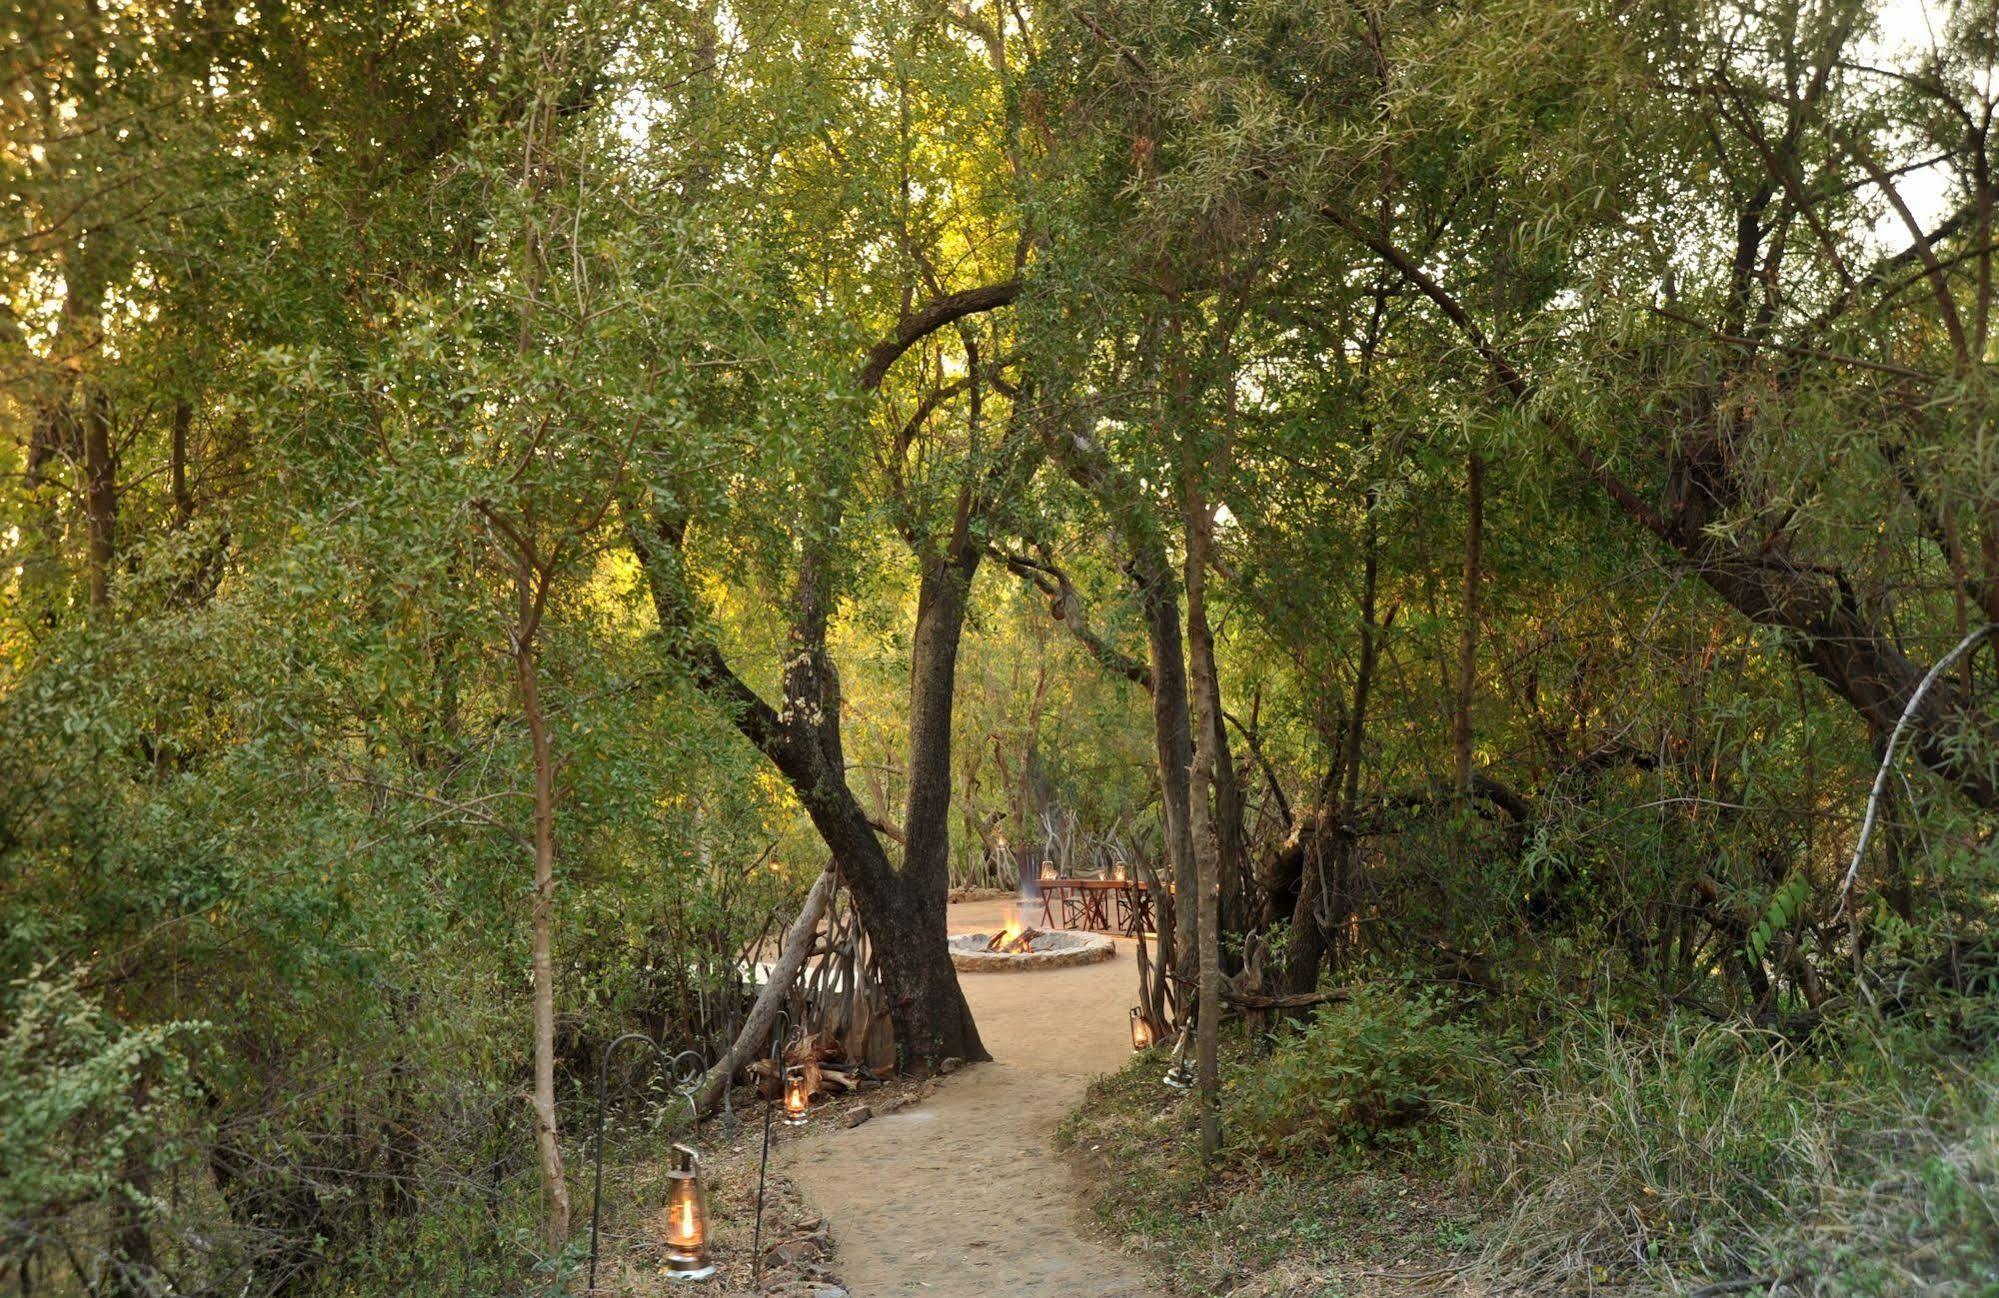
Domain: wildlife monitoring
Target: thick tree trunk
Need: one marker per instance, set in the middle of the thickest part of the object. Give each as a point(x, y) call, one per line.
point(902, 911)
point(941, 599)
point(548, 1147)
point(903, 915)
point(938, 1021)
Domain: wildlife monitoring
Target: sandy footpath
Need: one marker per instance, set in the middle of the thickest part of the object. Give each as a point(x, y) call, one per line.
point(965, 1195)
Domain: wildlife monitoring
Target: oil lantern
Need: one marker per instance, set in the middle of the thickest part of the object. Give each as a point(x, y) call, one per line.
point(796, 1102)
point(1141, 1031)
point(1048, 869)
point(686, 1219)
point(1118, 872)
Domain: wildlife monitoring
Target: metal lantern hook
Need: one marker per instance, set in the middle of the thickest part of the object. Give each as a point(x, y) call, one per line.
point(683, 1073)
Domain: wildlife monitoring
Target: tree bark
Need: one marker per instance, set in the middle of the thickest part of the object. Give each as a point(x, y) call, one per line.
point(1173, 751)
point(763, 1012)
point(906, 922)
point(548, 1147)
point(1201, 646)
point(1152, 578)
point(100, 495)
point(1468, 622)
point(939, 1020)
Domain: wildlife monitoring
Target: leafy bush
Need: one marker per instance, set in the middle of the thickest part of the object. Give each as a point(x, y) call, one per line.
point(71, 1107)
point(1365, 1072)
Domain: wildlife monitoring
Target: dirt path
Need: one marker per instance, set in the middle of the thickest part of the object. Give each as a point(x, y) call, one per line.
point(965, 1195)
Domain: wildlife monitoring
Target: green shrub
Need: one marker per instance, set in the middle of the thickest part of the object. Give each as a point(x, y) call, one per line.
point(1366, 1072)
point(70, 1104)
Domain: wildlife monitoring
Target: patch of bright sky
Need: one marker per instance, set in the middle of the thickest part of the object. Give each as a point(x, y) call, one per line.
point(1906, 32)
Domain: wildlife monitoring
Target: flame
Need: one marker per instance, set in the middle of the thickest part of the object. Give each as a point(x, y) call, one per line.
point(687, 1219)
point(1014, 939)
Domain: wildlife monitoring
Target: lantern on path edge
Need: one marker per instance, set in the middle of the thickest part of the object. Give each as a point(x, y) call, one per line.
point(1141, 1031)
point(686, 1219)
point(796, 1102)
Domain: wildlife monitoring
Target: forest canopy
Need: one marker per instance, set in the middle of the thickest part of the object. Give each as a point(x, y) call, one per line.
point(1498, 498)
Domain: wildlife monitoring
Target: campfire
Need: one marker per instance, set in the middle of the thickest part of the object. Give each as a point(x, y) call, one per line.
point(1013, 939)
point(1019, 947)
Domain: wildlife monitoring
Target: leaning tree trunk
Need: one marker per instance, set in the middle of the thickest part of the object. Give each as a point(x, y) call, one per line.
point(763, 1011)
point(904, 917)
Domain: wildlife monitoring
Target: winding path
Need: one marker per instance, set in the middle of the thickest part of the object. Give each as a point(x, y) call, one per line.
point(965, 1195)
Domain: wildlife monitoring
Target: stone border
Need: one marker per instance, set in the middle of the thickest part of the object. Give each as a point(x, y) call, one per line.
point(1090, 948)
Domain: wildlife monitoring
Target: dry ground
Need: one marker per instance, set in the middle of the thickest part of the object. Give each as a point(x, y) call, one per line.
point(965, 1195)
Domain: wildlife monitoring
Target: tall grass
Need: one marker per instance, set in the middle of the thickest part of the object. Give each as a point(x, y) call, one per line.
point(1664, 1158)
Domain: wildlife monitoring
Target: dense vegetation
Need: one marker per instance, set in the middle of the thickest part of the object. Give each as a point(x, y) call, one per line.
point(496, 494)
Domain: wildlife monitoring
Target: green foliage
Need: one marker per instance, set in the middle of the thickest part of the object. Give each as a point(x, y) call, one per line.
point(82, 1100)
point(1786, 905)
point(321, 325)
point(1708, 1149)
point(1373, 1071)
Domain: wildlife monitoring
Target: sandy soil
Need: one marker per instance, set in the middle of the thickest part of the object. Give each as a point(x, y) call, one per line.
point(965, 1195)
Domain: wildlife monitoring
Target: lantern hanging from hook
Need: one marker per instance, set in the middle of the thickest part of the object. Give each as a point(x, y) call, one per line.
point(686, 1219)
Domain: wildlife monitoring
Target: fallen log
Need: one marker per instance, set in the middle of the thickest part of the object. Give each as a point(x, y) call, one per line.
point(1293, 1001)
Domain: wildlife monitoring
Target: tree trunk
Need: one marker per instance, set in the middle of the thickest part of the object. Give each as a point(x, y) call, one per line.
point(1173, 750)
point(939, 1022)
point(1305, 947)
point(763, 1011)
point(904, 917)
point(1201, 645)
point(554, 1184)
point(100, 495)
point(135, 1267)
point(1468, 622)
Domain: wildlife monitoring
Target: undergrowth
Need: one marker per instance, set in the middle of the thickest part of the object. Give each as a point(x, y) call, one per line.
point(1399, 1143)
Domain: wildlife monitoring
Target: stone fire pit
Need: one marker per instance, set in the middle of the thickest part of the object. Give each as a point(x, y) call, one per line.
point(1046, 950)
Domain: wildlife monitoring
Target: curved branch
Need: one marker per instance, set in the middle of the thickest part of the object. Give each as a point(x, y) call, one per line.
point(916, 327)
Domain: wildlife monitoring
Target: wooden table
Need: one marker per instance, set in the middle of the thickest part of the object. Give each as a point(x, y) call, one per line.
point(1098, 905)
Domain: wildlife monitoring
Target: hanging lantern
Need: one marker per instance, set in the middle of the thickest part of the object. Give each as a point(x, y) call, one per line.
point(1141, 1031)
point(796, 1102)
point(686, 1219)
